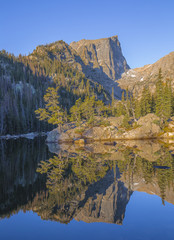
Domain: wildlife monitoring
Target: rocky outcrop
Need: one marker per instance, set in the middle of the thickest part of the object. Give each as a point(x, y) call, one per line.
point(136, 79)
point(53, 136)
point(146, 127)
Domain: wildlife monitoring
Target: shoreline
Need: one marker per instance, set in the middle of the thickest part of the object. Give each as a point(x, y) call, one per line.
point(30, 135)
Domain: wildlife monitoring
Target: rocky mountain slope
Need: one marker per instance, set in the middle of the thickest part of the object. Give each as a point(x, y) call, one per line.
point(104, 54)
point(100, 60)
point(136, 79)
point(58, 50)
point(24, 79)
point(103, 60)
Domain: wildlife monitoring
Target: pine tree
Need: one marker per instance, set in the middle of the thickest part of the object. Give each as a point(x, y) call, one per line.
point(145, 102)
point(167, 100)
point(159, 110)
point(113, 103)
point(121, 106)
point(127, 103)
point(76, 112)
point(88, 108)
point(137, 108)
point(52, 112)
point(99, 107)
point(126, 121)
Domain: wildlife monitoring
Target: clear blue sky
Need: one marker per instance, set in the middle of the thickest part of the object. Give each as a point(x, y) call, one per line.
point(145, 28)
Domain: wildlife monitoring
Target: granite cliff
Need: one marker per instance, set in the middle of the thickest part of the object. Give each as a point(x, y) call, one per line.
point(104, 57)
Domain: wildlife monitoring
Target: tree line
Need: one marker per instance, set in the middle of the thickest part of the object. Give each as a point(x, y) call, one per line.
point(161, 102)
point(23, 84)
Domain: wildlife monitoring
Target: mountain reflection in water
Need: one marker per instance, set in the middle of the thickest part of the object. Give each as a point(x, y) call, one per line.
point(92, 183)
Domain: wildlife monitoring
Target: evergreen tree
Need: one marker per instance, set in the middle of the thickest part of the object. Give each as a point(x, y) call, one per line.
point(126, 121)
point(88, 108)
point(76, 112)
point(52, 111)
point(99, 107)
point(159, 110)
point(145, 102)
point(127, 103)
point(137, 108)
point(113, 103)
point(167, 100)
point(121, 106)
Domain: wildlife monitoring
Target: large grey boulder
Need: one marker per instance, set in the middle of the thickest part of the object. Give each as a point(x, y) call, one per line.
point(53, 136)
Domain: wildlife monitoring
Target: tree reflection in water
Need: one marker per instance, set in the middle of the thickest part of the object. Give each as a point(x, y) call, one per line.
point(93, 183)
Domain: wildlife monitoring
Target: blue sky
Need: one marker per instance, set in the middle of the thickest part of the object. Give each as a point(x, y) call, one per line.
point(145, 28)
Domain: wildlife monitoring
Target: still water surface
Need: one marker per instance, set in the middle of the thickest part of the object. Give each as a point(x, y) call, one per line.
point(97, 192)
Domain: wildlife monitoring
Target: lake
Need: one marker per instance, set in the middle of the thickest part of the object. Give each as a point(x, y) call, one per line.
point(98, 191)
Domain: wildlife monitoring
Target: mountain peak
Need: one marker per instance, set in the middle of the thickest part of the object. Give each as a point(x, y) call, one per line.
point(104, 54)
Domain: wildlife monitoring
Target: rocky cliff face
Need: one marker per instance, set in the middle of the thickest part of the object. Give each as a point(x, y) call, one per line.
point(103, 54)
point(136, 79)
point(104, 61)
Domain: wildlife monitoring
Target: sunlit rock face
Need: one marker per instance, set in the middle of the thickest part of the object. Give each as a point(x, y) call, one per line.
point(103, 54)
point(104, 61)
point(136, 79)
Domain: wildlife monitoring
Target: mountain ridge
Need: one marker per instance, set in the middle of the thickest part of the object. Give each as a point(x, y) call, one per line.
point(138, 78)
point(101, 60)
